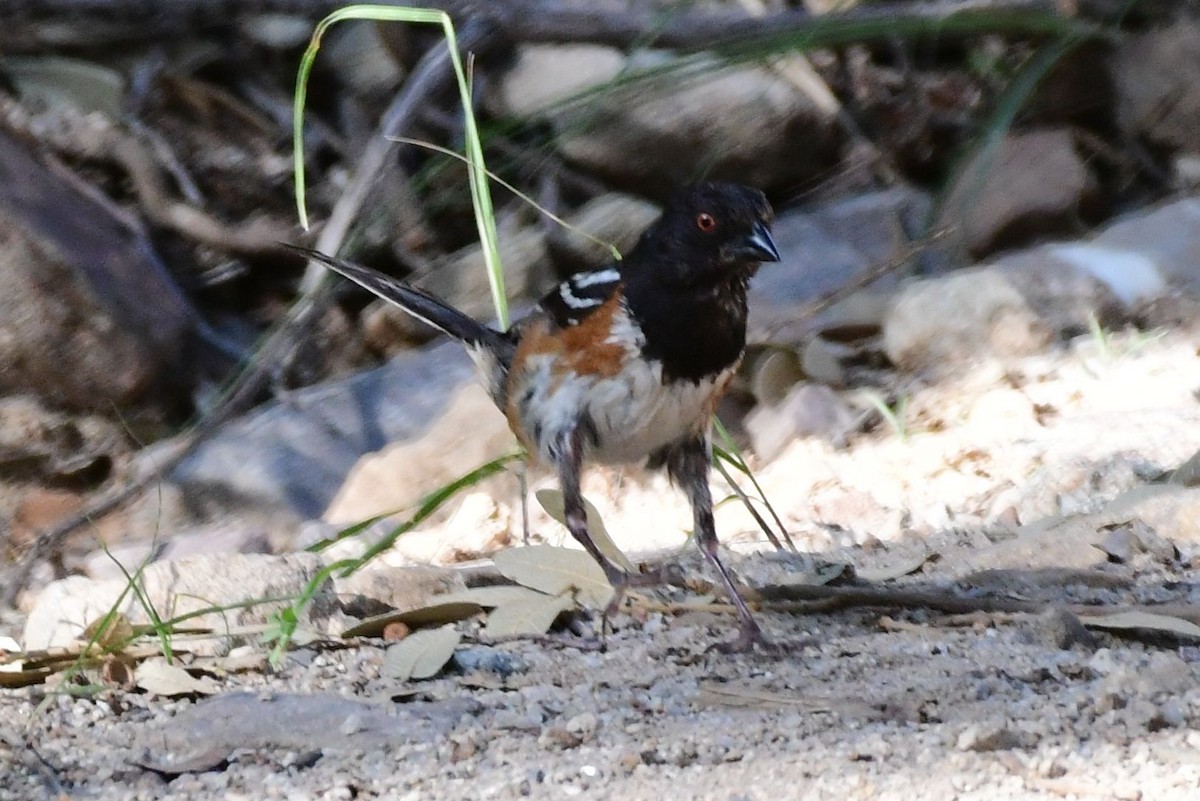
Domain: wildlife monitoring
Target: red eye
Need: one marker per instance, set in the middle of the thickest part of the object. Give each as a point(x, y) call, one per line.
point(706, 222)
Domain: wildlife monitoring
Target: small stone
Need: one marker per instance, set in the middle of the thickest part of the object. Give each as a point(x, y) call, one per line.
point(557, 738)
point(1060, 629)
point(980, 738)
point(584, 725)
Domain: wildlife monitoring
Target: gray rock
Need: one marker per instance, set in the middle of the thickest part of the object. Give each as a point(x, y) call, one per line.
point(988, 738)
point(808, 410)
point(1058, 628)
point(1032, 184)
point(202, 736)
point(704, 119)
point(1018, 304)
point(292, 456)
point(1157, 77)
point(941, 323)
point(1138, 255)
point(66, 607)
point(823, 250)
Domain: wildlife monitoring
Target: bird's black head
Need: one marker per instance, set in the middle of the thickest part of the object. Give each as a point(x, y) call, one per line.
point(708, 234)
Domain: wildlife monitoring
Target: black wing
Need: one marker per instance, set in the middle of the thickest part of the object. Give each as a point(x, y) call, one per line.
point(580, 295)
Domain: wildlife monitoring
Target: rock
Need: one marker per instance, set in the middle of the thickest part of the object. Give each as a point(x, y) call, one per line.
point(1162, 510)
point(613, 218)
point(66, 607)
point(1058, 628)
point(89, 318)
point(232, 537)
point(981, 738)
point(486, 659)
point(357, 55)
point(808, 410)
point(823, 250)
point(544, 76)
point(1030, 185)
point(940, 323)
point(204, 735)
point(469, 433)
point(1062, 290)
point(1138, 255)
point(723, 122)
point(289, 458)
point(378, 588)
point(1020, 302)
point(1157, 77)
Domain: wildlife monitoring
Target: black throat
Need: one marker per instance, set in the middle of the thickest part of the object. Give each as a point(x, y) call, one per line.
point(694, 331)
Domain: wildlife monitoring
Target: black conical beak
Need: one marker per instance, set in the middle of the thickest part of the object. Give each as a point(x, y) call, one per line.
point(759, 246)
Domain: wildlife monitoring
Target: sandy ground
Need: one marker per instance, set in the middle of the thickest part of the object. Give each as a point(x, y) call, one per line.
point(872, 703)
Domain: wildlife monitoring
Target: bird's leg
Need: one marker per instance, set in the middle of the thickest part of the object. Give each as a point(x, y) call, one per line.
point(688, 464)
point(568, 459)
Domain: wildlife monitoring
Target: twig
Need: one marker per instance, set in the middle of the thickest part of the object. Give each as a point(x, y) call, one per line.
point(95, 138)
point(797, 597)
point(275, 351)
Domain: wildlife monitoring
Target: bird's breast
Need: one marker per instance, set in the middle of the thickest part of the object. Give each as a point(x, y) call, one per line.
point(623, 403)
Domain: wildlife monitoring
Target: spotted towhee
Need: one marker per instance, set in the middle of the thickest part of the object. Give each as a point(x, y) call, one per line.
point(626, 362)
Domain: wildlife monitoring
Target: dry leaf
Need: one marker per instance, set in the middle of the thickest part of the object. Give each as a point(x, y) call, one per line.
point(12, 676)
point(491, 597)
point(526, 618)
point(556, 571)
point(157, 677)
point(552, 501)
point(421, 654)
point(1147, 621)
point(900, 568)
point(117, 670)
point(110, 633)
point(433, 614)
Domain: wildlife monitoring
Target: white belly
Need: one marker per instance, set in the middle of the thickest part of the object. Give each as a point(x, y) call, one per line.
point(631, 415)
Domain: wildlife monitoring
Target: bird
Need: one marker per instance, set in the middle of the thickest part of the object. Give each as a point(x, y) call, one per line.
point(627, 362)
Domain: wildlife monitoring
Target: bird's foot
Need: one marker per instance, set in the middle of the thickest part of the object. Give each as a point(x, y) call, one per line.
point(622, 582)
point(750, 638)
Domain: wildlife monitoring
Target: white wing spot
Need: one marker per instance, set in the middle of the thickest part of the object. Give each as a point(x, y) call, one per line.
point(564, 292)
point(584, 280)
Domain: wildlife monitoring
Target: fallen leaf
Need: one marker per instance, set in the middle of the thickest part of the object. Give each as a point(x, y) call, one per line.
point(552, 501)
point(433, 614)
point(1126, 621)
point(491, 597)
point(421, 654)
point(117, 671)
point(13, 676)
point(556, 571)
point(170, 681)
point(110, 633)
point(526, 618)
point(902, 567)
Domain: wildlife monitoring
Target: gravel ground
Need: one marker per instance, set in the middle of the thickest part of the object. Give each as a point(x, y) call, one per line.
point(867, 703)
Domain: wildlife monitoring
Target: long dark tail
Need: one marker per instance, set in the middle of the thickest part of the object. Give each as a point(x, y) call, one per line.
point(420, 304)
